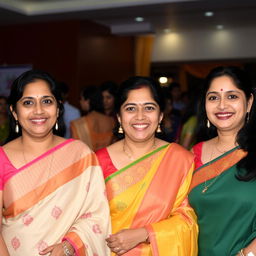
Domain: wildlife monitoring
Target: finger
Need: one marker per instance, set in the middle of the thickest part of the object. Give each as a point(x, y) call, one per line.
point(46, 250)
point(121, 252)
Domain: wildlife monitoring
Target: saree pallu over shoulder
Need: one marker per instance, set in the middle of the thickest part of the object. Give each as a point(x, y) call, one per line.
point(214, 168)
point(152, 193)
point(37, 214)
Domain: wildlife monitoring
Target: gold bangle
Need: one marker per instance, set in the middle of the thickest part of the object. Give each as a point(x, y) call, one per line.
point(66, 250)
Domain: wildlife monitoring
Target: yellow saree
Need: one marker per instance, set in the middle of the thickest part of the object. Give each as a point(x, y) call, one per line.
point(152, 192)
point(52, 199)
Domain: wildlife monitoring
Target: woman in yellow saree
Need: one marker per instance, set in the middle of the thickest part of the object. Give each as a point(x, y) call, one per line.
point(147, 180)
point(48, 183)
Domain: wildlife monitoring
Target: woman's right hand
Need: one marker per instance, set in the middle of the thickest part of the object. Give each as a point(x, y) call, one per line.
point(126, 239)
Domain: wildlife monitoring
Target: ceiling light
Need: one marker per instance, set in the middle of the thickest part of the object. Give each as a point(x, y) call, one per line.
point(139, 19)
point(163, 80)
point(220, 27)
point(208, 14)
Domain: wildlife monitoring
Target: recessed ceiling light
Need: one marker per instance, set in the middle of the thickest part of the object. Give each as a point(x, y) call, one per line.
point(163, 80)
point(208, 14)
point(219, 27)
point(139, 19)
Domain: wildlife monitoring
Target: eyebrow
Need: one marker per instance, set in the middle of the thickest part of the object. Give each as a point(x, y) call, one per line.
point(215, 92)
point(43, 97)
point(134, 104)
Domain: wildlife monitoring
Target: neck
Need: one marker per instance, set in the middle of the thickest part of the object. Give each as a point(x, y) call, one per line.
point(38, 145)
point(225, 141)
point(135, 150)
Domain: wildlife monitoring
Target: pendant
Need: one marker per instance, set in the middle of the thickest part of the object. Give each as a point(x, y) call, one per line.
point(204, 190)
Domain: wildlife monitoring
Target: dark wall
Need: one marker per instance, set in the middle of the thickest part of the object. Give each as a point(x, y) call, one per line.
point(78, 53)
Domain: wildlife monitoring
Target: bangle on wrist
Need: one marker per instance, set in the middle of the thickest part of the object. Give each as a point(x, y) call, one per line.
point(242, 253)
point(67, 250)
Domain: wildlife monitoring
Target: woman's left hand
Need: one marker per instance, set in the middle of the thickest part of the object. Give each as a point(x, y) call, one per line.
point(126, 239)
point(55, 250)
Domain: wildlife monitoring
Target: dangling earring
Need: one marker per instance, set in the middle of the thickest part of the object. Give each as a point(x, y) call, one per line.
point(208, 124)
point(158, 130)
point(248, 117)
point(56, 126)
point(17, 129)
point(120, 129)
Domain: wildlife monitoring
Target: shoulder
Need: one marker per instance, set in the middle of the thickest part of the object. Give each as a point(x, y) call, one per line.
point(78, 120)
point(79, 146)
point(178, 149)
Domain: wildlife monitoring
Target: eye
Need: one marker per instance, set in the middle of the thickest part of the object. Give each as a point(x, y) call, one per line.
point(150, 108)
point(27, 102)
point(130, 109)
point(47, 101)
point(232, 96)
point(212, 97)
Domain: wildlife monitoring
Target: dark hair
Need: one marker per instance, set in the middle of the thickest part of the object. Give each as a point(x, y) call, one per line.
point(137, 82)
point(110, 87)
point(17, 89)
point(246, 137)
point(93, 94)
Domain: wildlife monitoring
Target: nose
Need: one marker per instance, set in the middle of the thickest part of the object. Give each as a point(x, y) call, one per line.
point(38, 108)
point(222, 103)
point(140, 114)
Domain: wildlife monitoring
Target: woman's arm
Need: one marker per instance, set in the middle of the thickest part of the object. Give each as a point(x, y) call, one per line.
point(126, 239)
point(3, 248)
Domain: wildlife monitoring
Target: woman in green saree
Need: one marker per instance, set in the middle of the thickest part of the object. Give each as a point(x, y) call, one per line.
point(223, 187)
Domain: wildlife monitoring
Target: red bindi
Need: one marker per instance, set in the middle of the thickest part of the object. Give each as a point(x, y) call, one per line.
point(221, 89)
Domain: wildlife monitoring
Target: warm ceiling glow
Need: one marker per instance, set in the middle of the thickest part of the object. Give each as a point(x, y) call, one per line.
point(139, 19)
point(167, 30)
point(208, 14)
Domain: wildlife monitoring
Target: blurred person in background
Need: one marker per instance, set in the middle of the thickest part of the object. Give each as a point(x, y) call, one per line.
point(70, 111)
point(94, 127)
point(4, 123)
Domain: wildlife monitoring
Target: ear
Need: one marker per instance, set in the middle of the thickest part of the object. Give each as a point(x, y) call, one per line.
point(118, 118)
point(13, 113)
point(249, 103)
point(161, 117)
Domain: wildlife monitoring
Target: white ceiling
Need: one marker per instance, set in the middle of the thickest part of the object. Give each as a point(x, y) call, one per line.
point(178, 15)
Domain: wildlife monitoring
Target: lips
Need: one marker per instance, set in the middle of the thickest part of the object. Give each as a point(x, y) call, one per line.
point(38, 120)
point(224, 115)
point(140, 126)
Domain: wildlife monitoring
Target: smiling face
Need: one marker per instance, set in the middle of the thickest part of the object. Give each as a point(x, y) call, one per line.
point(140, 115)
point(226, 105)
point(37, 110)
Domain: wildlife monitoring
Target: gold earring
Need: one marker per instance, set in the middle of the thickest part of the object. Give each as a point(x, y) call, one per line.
point(208, 124)
point(56, 126)
point(120, 129)
point(158, 130)
point(17, 129)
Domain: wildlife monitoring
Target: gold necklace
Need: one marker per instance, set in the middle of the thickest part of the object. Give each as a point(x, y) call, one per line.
point(130, 155)
point(215, 179)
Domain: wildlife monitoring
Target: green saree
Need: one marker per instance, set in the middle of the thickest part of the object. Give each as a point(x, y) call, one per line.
point(225, 206)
